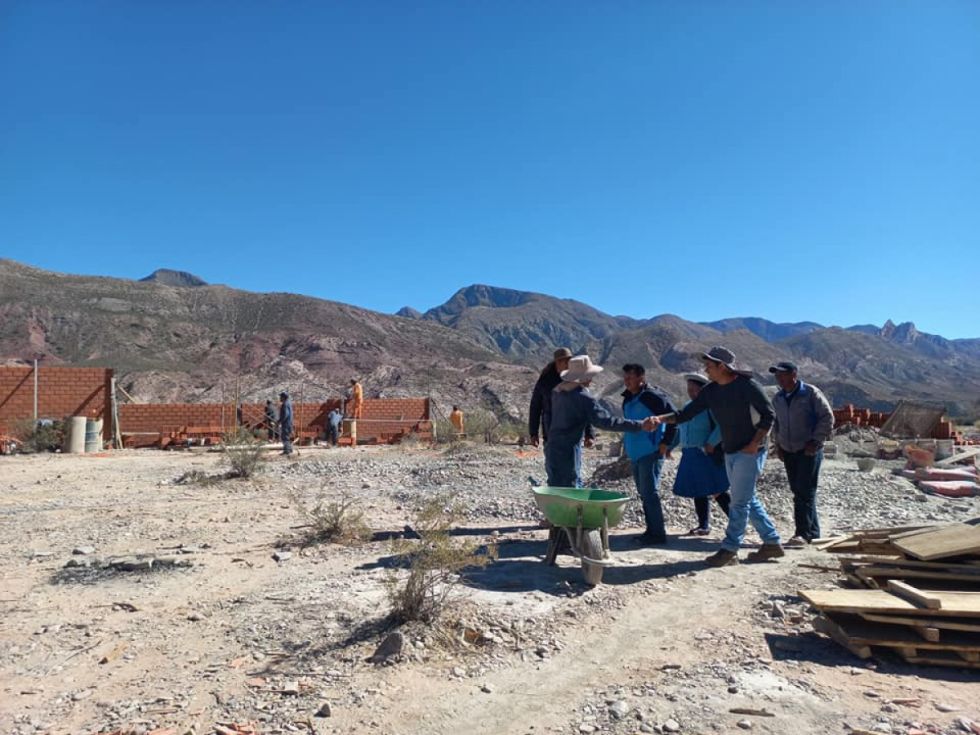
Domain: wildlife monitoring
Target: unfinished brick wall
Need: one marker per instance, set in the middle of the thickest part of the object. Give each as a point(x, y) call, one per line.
point(141, 424)
point(61, 392)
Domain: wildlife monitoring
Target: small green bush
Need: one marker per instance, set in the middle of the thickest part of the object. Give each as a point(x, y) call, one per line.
point(244, 453)
point(435, 561)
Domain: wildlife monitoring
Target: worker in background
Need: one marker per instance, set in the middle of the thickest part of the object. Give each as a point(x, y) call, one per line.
point(271, 418)
point(286, 423)
point(456, 419)
point(356, 399)
point(334, 419)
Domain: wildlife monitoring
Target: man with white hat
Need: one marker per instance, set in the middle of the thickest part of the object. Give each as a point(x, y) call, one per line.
point(745, 415)
point(573, 408)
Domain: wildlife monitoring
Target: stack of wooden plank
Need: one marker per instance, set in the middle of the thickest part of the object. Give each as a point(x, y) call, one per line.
point(918, 594)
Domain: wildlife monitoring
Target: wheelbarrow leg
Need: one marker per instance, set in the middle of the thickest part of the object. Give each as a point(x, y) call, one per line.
point(554, 542)
point(605, 533)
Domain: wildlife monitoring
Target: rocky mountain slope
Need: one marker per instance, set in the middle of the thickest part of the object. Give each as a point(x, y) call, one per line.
point(169, 341)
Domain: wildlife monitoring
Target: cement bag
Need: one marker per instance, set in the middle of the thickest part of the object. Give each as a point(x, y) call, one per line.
point(952, 488)
point(935, 473)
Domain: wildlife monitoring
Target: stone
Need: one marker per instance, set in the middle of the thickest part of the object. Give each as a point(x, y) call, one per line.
point(619, 709)
point(744, 724)
point(486, 689)
point(458, 671)
point(672, 726)
point(389, 649)
point(584, 727)
point(942, 707)
point(282, 556)
point(83, 550)
point(324, 711)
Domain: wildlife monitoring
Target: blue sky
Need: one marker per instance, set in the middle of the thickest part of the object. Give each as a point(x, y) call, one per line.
point(790, 160)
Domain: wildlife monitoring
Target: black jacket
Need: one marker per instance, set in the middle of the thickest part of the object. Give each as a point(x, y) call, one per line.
point(540, 413)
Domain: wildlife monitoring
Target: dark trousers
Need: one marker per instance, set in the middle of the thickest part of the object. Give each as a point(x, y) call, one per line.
point(702, 506)
point(646, 474)
point(563, 464)
point(332, 434)
point(803, 473)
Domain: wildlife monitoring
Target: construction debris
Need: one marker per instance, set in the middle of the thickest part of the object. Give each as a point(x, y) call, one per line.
point(918, 594)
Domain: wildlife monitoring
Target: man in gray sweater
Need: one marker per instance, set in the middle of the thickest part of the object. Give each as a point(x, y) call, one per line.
point(744, 414)
point(802, 423)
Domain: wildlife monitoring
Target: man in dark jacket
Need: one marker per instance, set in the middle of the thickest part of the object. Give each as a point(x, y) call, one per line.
point(539, 417)
point(803, 421)
point(647, 451)
point(271, 419)
point(744, 414)
point(573, 409)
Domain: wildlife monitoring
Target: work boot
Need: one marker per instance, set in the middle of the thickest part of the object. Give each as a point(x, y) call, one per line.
point(766, 552)
point(797, 542)
point(722, 558)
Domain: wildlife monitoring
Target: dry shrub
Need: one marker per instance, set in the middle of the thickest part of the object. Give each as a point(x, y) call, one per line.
point(332, 521)
point(244, 454)
point(436, 562)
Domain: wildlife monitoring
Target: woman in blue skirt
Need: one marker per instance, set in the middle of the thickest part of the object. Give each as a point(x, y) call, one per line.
point(701, 473)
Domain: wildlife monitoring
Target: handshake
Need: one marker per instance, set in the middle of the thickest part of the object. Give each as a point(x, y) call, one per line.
point(650, 423)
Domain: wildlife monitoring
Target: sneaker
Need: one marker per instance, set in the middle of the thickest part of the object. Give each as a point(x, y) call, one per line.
point(766, 552)
point(722, 558)
point(699, 531)
point(797, 542)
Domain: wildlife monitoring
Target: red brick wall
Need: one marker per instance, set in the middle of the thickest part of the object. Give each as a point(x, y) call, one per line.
point(379, 416)
point(62, 392)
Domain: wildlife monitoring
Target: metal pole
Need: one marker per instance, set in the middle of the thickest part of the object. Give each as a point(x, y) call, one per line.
point(35, 392)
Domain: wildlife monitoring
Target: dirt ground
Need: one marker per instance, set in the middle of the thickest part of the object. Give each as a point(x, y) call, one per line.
point(217, 632)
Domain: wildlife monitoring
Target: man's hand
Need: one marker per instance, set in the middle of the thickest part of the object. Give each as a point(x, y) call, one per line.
point(589, 442)
point(535, 440)
point(664, 451)
point(751, 448)
point(708, 449)
point(811, 448)
point(650, 423)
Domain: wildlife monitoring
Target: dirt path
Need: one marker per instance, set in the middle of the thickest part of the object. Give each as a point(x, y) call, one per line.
point(240, 637)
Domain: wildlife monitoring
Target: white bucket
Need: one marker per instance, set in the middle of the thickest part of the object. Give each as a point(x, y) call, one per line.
point(76, 434)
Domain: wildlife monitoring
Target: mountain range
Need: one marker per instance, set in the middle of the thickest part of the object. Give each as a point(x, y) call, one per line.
point(171, 337)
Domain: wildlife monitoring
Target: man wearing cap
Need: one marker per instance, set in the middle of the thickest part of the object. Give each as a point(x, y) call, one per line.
point(745, 415)
point(573, 410)
point(803, 422)
point(286, 423)
point(647, 451)
point(539, 415)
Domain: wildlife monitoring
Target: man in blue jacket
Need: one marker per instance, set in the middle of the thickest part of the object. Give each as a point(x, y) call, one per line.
point(286, 423)
point(573, 409)
point(647, 450)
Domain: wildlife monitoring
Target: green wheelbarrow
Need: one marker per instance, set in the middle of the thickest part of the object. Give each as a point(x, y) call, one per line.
point(585, 516)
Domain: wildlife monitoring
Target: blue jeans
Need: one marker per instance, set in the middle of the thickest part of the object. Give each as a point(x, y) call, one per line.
point(743, 470)
point(646, 475)
point(563, 464)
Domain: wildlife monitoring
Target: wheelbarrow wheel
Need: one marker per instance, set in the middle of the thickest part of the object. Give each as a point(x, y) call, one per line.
point(592, 548)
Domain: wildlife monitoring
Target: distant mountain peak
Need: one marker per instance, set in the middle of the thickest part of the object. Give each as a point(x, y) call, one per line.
point(409, 312)
point(167, 277)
